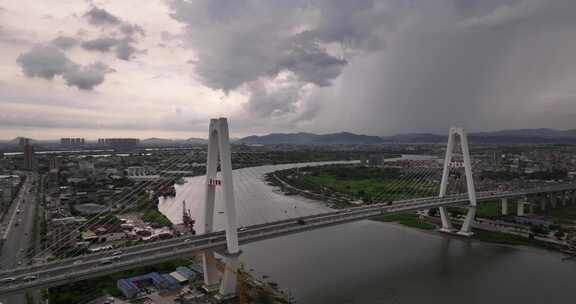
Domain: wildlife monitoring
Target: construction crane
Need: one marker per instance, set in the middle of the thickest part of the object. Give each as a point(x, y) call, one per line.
point(187, 218)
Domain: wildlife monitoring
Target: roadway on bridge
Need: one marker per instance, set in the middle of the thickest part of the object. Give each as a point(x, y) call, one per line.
point(93, 265)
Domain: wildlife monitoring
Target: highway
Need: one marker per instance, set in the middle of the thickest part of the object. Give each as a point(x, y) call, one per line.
point(16, 232)
point(93, 265)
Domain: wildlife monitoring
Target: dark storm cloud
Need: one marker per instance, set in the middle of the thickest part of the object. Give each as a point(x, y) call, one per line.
point(355, 24)
point(312, 64)
point(123, 48)
point(86, 77)
point(47, 61)
point(394, 65)
point(132, 29)
point(44, 62)
point(485, 66)
point(64, 42)
point(266, 102)
point(98, 16)
point(233, 49)
point(103, 44)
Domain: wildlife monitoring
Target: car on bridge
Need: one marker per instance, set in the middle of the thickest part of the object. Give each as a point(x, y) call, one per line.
point(30, 278)
point(7, 280)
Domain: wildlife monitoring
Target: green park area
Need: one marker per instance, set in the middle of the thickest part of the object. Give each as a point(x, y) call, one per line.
point(345, 185)
point(407, 219)
point(369, 184)
point(156, 217)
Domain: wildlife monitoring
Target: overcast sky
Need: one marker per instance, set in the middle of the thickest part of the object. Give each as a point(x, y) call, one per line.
point(164, 67)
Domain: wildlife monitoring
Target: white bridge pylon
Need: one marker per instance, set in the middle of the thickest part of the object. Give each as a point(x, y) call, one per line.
point(219, 153)
point(446, 224)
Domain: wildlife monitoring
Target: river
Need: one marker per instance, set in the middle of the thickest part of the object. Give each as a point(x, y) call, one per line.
point(375, 263)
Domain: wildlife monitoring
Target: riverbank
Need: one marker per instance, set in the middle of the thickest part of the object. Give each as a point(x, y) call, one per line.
point(413, 220)
point(340, 197)
point(392, 263)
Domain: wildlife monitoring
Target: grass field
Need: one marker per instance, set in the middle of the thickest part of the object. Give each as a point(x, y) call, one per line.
point(406, 219)
point(367, 183)
point(508, 239)
point(491, 209)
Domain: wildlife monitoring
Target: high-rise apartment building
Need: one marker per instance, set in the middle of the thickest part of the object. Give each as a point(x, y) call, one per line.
point(29, 159)
point(72, 141)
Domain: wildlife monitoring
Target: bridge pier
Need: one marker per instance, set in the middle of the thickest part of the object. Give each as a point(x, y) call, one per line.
point(542, 202)
point(229, 280)
point(520, 207)
point(564, 198)
point(211, 275)
point(553, 198)
point(446, 223)
point(219, 152)
point(466, 229)
point(504, 206)
point(573, 198)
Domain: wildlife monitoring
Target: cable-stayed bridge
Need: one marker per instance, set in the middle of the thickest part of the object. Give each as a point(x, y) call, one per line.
point(74, 269)
point(227, 242)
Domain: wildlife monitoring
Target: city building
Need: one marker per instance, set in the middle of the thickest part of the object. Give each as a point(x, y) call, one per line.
point(86, 165)
point(29, 159)
point(376, 160)
point(137, 171)
point(140, 173)
point(131, 287)
point(72, 141)
point(54, 165)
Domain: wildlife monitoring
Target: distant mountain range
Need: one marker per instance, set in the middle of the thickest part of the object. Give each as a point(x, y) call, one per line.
point(496, 137)
point(163, 141)
point(311, 139)
point(534, 136)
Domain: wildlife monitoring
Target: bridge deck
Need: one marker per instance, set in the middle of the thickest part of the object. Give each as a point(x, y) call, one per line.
point(88, 266)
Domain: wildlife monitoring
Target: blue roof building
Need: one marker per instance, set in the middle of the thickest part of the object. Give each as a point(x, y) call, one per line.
point(196, 268)
point(130, 287)
point(172, 284)
point(187, 273)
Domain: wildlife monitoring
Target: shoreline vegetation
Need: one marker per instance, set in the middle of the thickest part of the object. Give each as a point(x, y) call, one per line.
point(343, 187)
